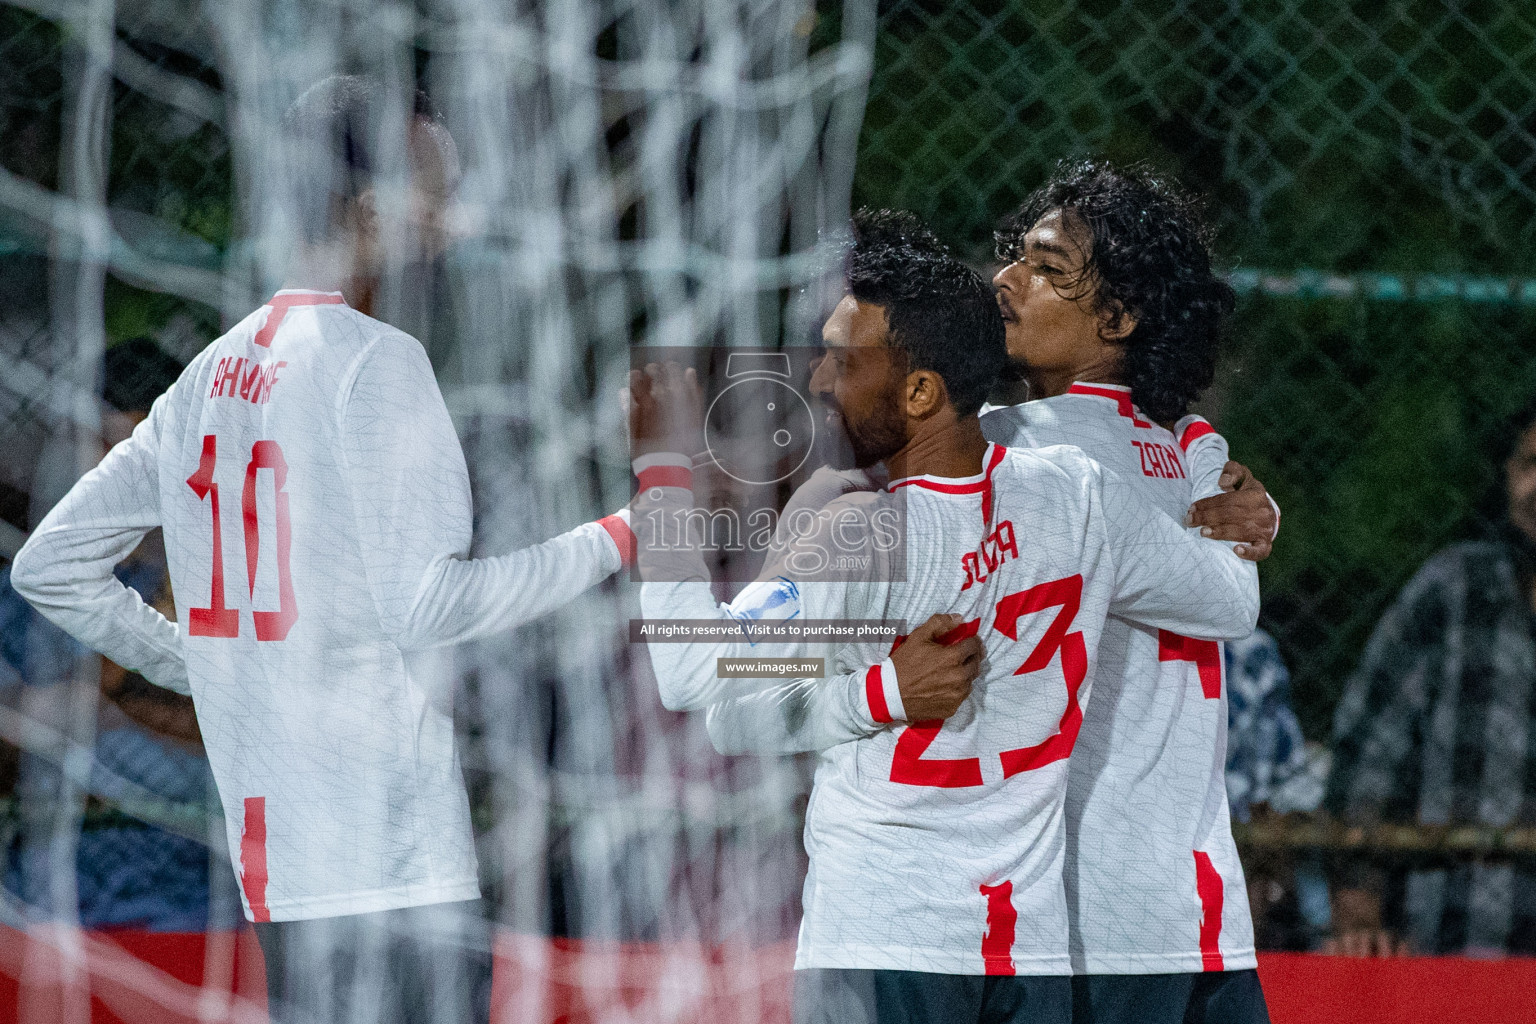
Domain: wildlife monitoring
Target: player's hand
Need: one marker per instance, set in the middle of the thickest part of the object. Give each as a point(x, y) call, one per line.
point(1242, 514)
point(936, 677)
point(665, 405)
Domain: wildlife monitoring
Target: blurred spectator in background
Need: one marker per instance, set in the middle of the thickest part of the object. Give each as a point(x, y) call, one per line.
point(1265, 749)
point(1437, 727)
point(1271, 770)
point(148, 760)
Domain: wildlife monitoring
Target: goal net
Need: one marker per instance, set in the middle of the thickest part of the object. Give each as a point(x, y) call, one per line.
point(634, 172)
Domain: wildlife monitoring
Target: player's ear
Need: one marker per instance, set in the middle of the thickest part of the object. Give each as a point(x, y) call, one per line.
point(1116, 324)
point(926, 394)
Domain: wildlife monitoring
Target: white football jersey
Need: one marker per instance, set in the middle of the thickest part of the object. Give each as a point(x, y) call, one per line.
point(938, 846)
point(1153, 878)
point(316, 513)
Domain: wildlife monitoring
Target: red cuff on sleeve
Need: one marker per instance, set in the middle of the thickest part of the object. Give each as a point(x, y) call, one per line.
point(665, 476)
point(874, 692)
point(1197, 429)
point(623, 537)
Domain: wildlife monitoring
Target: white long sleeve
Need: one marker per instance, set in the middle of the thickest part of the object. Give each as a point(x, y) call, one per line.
point(801, 715)
point(686, 673)
point(1205, 453)
point(410, 496)
point(65, 568)
point(794, 716)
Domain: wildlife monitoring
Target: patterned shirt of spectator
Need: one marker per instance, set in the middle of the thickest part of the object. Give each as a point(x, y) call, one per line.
point(1436, 727)
point(1265, 749)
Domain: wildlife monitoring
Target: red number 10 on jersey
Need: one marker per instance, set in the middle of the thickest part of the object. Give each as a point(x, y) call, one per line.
point(217, 619)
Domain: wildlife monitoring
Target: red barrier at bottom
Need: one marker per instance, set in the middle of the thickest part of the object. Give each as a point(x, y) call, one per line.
point(53, 975)
point(1301, 988)
point(578, 982)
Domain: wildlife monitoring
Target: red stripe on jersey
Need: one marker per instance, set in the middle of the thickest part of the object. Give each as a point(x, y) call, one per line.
point(997, 943)
point(281, 304)
point(623, 537)
point(1120, 396)
point(253, 857)
point(874, 692)
point(665, 476)
point(1206, 655)
point(1208, 884)
point(1196, 429)
point(996, 457)
point(982, 486)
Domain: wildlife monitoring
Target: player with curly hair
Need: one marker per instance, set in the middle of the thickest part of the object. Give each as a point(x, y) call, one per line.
point(1114, 315)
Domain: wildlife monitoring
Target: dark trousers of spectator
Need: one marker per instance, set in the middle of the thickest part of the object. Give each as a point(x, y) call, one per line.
point(825, 996)
point(419, 965)
point(1216, 997)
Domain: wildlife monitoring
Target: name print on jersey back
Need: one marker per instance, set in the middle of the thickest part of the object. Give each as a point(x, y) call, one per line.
point(1160, 460)
point(996, 548)
point(237, 376)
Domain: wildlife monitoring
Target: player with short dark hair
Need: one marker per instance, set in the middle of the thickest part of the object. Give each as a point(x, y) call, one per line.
point(1114, 315)
point(935, 837)
point(930, 299)
point(317, 520)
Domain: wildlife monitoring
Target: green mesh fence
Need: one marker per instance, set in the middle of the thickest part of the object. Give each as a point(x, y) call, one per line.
point(1370, 168)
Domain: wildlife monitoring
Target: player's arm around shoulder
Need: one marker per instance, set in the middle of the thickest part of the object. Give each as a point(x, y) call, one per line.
point(1168, 576)
point(1230, 504)
point(926, 678)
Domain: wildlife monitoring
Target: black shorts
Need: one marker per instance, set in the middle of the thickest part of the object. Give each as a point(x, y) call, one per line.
point(1214, 997)
point(825, 996)
point(428, 964)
